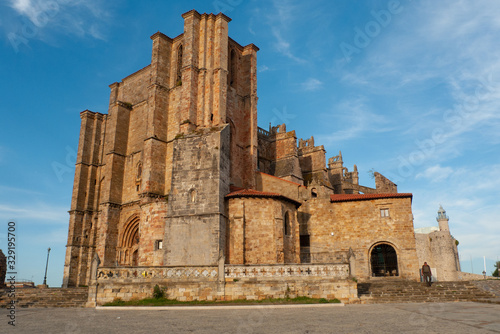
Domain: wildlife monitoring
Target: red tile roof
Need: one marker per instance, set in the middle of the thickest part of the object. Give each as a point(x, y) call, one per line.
point(256, 193)
point(365, 197)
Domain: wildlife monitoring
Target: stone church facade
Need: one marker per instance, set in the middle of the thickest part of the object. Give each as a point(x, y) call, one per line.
point(177, 185)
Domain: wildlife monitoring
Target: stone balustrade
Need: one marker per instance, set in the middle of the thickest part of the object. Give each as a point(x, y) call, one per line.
point(137, 274)
point(146, 273)
point(338, 271)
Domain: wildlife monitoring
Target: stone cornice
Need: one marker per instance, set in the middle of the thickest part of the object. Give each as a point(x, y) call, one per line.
point(158, 139)
point(111, 205)
point(118, 154)
point(131, 203)
point(162, 36)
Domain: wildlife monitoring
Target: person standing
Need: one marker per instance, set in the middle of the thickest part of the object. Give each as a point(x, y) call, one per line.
point(426, 272)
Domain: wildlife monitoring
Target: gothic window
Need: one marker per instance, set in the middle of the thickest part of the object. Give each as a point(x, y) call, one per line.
point(178, 80)
point(232, 69)
point(314, 192)
point(138, 177)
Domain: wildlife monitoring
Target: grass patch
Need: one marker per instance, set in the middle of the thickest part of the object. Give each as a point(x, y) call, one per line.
point(167, 302)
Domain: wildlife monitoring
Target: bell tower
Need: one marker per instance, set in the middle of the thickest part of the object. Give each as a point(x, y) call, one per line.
point(443, 219)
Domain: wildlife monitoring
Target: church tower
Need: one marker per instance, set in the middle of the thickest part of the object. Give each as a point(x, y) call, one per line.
point(152, 173)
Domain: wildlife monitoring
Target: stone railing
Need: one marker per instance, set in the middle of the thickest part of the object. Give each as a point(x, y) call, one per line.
point(263, 132)
point(141, 273)
point(339, 271)
point(135, 274)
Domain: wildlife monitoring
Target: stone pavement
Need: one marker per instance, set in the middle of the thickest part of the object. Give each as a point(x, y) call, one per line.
point(384, 318)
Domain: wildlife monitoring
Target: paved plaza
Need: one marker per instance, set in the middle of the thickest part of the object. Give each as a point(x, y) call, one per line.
point(375, 318)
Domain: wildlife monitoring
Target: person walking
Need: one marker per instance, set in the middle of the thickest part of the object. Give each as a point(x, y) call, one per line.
point(426, 272)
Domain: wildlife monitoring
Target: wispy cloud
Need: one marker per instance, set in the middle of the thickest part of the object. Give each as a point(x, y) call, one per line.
point(79, 18)
point(357, 120)
point(263, 68)
point(312, 84)
point(435, 173)
point(39, 212)
point(283, 46)
point(469, 195)
point(281, 20)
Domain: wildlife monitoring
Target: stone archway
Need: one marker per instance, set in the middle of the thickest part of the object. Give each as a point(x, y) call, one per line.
point(384, 260)
point(128, 253)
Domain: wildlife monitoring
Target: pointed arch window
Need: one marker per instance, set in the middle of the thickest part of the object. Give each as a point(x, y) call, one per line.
point(178, 80)
point(232, 68)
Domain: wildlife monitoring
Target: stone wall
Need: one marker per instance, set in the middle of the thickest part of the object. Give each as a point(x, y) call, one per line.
point(195, 223)
point(439, 250)
point(348, 231)
point(463, 276)
point(257, 231)
point(232, 282)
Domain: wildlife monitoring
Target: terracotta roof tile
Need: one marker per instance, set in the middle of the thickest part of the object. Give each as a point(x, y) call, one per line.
point(365, 197)
point(257, 193)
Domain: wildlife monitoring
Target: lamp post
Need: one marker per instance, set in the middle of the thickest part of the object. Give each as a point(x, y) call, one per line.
point(46, 266)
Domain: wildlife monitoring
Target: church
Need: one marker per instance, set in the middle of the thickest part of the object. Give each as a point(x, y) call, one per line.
point(177, 186)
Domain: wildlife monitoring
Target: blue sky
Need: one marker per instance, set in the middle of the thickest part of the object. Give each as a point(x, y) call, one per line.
point(407, 88)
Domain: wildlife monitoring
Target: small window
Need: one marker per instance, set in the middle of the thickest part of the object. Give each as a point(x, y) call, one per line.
point(158, 244)
point(139, 170)
point(384, 213)
point(287, 224)
point(305, 241)
point(192, 195)
point(314, 193)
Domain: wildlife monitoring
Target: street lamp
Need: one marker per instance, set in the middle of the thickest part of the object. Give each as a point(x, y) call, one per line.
point(46, 266)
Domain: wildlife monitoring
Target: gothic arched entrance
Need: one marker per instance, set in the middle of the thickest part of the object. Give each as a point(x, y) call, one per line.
point(128, 253)
point(384, 261)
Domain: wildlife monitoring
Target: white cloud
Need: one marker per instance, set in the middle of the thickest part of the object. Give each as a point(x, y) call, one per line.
point(80, 18)
point(312, 84)
point(281, 21)
point(435, 173)
point(34, 212)
point(357, 119)
point(283, 46)
point(263, 68)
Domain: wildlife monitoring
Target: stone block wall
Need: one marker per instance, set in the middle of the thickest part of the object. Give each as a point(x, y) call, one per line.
point(358, 225)
point(234, 282)
point(195, 223)
point(256, 231)
point(290, 189)
point(439, 250)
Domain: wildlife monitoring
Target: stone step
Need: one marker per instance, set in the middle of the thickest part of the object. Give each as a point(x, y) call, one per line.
point(402, 292)
point(48, 297)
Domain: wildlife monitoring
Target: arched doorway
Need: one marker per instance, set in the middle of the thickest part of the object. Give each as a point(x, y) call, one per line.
point(128, 254)
point(384, 261)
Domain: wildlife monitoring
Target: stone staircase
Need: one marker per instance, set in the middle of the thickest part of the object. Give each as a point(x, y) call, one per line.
point(399, 291)
point(49, 297)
